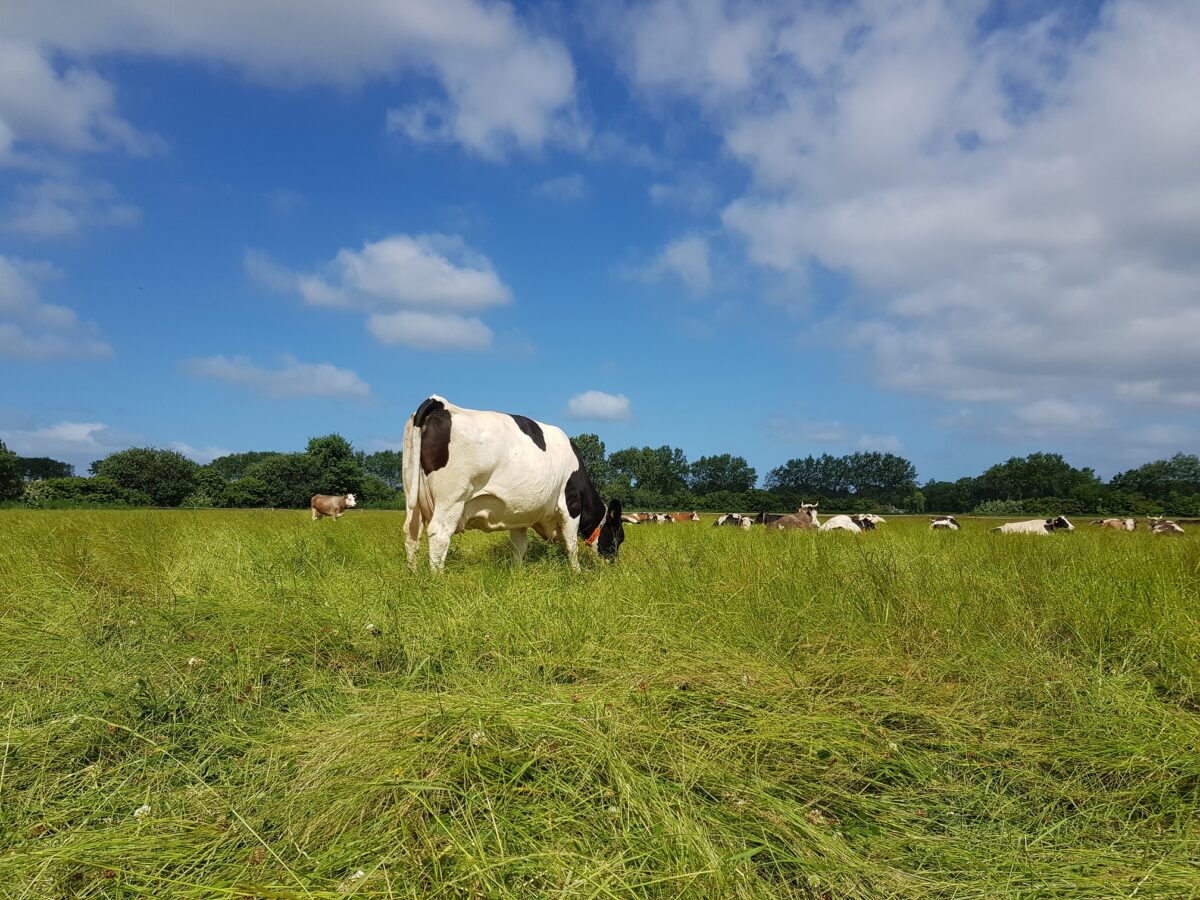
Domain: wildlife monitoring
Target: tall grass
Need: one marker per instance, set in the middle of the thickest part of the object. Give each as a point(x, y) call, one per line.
point(721, 714)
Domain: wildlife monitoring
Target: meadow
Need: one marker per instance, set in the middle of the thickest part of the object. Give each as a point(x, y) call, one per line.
point(248, 704)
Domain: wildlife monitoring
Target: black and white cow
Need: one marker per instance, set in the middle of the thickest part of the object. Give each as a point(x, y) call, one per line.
point(489, 471)
point(943, 523)
point(1036, 526)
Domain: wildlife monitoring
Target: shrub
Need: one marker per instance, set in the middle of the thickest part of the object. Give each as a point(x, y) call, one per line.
point(167, 476)
point(76, 491)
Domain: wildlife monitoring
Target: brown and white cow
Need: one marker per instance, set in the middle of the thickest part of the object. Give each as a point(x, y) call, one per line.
point(489, 471)
point(686, 517)
point(803, 519)
point(323, 505)
point(1116, 524)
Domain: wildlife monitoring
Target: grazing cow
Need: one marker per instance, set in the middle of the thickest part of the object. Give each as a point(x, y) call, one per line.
point(948, 523)
point(323, 505)
point(840, 523)
point(1036, 526)
point(803, 519)
point(1116, 524)
point(488, 471)
point(1159, 525)
point(686, 517)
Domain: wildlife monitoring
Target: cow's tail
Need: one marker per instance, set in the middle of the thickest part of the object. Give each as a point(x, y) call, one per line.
point(414, 483)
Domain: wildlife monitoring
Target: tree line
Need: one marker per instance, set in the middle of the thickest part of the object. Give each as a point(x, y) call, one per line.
point(650, 478)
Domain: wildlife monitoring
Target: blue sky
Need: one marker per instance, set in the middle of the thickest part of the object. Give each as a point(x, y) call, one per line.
point(960, 231)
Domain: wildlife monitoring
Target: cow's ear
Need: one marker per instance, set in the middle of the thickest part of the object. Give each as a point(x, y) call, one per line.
point(614, 509)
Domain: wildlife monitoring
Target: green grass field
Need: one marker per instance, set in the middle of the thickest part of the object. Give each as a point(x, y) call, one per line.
point(247, 704)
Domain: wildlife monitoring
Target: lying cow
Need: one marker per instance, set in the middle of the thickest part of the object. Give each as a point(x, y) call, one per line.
point(489, 471)
point(939, 523)
point(686, 517)
point(1159, 525)
point(1116, 524)
point(841, 523)
point(872, 518)
point(803, 519)
point(630, 519)
point(1036, 526)
point(323, 505)
point(766, 518)
point(743, 522)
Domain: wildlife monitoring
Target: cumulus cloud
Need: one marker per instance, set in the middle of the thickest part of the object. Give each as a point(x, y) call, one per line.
point(292, 379)
point(600, 406)
point(75, 442)
point(502, 86)
point(32, 329)
point(803, 432)
point(430, 331)
point(60, 207)
point(1014, 209)
point(415, 288)
point(685, 258)
point(564, 188)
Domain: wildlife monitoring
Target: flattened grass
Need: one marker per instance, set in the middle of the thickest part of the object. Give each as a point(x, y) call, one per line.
point(722, 714)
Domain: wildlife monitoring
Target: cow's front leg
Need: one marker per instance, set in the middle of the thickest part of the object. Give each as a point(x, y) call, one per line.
point(441, 529)
point(520, 542)
point(569, 529)
point(314, 515)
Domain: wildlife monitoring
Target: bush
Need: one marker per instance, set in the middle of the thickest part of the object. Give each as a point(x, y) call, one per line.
point(167, 476)
point(1011, 508)
point(76, 491)
point(10, 474)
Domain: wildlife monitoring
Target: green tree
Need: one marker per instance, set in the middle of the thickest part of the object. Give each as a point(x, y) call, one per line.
point(166, 476)
point(591, 450)
point(1034, 476)
point(283, 480)
point(339, 470)
point(232, 466)
point(1159, 479)
point(710, 474)
point(657, 470)
point(34, 468)
point(387, 465)
point(11, 483)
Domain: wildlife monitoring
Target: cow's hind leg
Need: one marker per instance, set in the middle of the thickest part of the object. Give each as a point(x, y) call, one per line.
point(520, 542)
point(412, 536)
point(441, 528)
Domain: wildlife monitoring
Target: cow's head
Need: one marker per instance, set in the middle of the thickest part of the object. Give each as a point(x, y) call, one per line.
point(612, 533)
point(350, 501)
point(1059, 522)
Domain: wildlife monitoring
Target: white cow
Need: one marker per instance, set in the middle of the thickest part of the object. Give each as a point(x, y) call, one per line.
point(873, 519)
point(489, 471)
point(840, 523)
point(1159, 525)
point(1036, 526)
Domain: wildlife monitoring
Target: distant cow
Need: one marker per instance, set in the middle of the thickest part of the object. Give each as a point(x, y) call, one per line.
point(1159, 525)
point(766, 518)
point(686, 517)
point(1116, 524)
point(948, 523)
point(323, 505)
point(803, 519)
point(630, 519)
point(872, 518)
point(1036, 526)
point(841, 523)
point(743, 522)
point(489, 471)
point(865, 522)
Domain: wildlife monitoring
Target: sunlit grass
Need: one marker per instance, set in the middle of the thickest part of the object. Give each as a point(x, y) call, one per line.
point(722, 714)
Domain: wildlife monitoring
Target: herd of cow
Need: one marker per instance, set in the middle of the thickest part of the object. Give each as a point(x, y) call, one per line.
point(468, 469)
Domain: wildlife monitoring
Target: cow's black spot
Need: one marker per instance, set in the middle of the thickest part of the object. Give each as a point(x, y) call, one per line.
point(532, 430)
point(435, 439)
point(423, 411)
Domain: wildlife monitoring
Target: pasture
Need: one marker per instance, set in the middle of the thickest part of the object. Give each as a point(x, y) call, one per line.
point(249, 704)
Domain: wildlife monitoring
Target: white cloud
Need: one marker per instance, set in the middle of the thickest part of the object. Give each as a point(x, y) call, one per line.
point(1049, 417)
point(564, 188)
point(1158, 391)
point(430, 331)
point(414, 288)
point(601, 406)
point(202, 455)
point(1015, 211)
point(78, 443)
point(292, 379)
point(502, 85)
point(69, 107)
point(809, 432)
point(690, 193)
point(32, 329)
point(60, 207)
point(685, 258)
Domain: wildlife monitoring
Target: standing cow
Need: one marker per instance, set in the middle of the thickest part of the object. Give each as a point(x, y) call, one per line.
point(489, 471)
point(323, 505)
